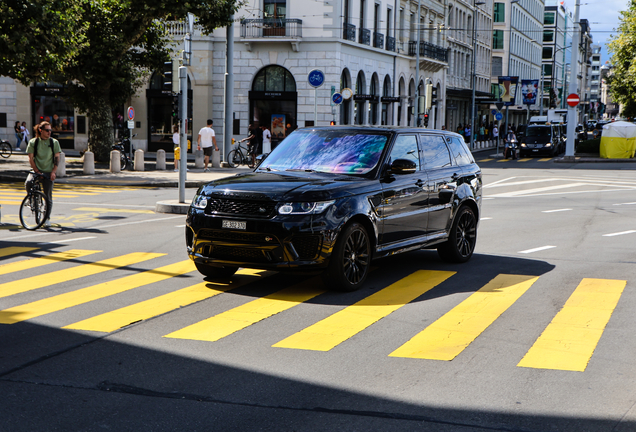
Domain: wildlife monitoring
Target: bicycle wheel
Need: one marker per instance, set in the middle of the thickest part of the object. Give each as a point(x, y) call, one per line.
point(124, 161)
point(234, 158)
point(34, 210)
point(5, 150)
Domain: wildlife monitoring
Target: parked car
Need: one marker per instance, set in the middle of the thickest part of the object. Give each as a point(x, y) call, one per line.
point(332, 199)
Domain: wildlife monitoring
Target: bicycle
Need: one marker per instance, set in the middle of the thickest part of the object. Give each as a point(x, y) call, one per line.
point(240, 156)
point(34, 210)
point(5, 149)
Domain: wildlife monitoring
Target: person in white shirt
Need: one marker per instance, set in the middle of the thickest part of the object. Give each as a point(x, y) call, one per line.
point(267, 140)
point(206, 139)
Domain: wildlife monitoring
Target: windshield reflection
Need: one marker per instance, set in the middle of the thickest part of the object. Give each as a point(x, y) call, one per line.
point(328, 151)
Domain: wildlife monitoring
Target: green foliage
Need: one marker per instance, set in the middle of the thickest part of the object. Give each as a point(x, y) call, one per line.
point(622, 49)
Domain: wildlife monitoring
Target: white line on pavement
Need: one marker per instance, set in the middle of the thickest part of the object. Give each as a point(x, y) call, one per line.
point(485, 218)
point(138, 222)
point(499, 181)
point(70, 240)
point(619, 233)
point(630, 203)
point(554, 211)
point(179, 226)
point(536, 249)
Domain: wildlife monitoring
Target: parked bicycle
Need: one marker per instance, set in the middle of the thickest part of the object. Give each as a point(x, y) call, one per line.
point(123, 147)
point(5, 149)
point(240, 156)
point(34, 210)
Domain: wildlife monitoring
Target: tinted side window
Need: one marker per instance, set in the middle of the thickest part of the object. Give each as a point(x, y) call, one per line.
point(435, 152)
point(460, 152)
point(405, 147)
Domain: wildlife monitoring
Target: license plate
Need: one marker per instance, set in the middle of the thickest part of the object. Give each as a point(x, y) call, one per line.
point(535, 150)
point(234, 224)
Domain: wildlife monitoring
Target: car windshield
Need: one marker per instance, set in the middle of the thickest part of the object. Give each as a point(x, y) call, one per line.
point(538, 131)
point(329, 151)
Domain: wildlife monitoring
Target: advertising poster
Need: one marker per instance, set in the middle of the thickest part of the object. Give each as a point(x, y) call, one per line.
point(508, 89)
point(278, 126)
point(529, 90)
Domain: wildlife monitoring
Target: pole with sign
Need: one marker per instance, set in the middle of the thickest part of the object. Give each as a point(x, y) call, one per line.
point(130, 113)
point(316, 78)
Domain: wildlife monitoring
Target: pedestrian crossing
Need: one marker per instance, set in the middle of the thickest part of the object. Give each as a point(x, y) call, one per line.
point(14, 193)
point(567, 343)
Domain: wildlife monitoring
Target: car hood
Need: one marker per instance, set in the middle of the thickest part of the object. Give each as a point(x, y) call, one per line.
point(292, 186)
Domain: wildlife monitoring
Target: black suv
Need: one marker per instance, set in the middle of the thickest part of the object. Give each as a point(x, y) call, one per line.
point(334, 198)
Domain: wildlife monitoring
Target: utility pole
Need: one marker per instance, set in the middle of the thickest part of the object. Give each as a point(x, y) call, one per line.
point(574, 84)
point(229, 90)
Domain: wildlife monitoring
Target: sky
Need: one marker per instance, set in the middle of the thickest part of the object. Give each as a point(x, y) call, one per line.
point(603, 16)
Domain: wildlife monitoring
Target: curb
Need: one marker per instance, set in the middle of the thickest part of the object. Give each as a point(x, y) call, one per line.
point(172, 206)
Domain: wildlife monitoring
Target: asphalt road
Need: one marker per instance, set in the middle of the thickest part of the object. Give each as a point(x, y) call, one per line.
point(105, 325)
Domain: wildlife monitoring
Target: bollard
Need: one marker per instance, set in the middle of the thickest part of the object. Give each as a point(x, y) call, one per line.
point(216, 159)
point(61, 168)
point(139, 160)
point(161, 159)
point(115, 161)
point(89, 163)
point(198, 158)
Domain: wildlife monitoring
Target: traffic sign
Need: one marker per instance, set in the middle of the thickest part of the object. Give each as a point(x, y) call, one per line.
point(337, 98)
point(493, 112)
point(130, 112)
point(573, 99)
point(498, 116)
point(316, 78)
point(131, 124)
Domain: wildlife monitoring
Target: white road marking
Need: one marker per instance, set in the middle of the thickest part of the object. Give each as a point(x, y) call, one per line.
point(543, 189)
point(619, 233)
point(70, 240)
point(497, 182)
point(179, 226)
point(485, 218)
point(554, 211)
point(536, 249)
point(630, 203)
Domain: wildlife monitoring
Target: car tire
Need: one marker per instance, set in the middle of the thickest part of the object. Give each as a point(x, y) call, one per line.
point(462, 238)
point(215, 272)
point(350, 260)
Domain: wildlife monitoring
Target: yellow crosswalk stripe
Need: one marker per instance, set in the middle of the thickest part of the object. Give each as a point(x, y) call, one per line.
point(48, 279)
point(545, 159)
point(525, 159)
point(453, 332)
point(226, 323)
point(5, 202)
point(111, 321)
point(40, 261)
point(486, 160)
point(95, 292)
point(335, 329)
point(111, 210)
point(569, 341)
point(14, 250)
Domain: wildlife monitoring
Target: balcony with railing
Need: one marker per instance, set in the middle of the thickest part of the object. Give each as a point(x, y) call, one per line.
point(349, 32)
point(432, 57)
point(364, 36)
point(378, 40)
point(286, 28)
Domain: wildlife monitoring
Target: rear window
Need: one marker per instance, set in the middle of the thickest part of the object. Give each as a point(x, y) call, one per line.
point(460, 152)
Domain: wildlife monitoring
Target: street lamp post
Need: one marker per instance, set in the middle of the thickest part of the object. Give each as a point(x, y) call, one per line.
point(553, 67)
point(472, 105)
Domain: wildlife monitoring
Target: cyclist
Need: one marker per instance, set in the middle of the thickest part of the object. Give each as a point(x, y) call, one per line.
point(44, 157)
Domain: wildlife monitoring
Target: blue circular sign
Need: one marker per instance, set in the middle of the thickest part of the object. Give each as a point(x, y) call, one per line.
point(493, 112)
point(337, 98)
point(498, 116)
point(316, 78)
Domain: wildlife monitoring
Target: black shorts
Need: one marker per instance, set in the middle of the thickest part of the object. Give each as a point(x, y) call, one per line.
point(207, 151)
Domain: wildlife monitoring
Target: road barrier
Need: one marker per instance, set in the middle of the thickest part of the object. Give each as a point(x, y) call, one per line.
point(61, 168)
point(115, 161)
point(139, 160)
point(161, 159)
point(89, 163)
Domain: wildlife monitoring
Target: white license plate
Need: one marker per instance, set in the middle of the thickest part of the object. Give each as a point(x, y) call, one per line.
point(234, 224)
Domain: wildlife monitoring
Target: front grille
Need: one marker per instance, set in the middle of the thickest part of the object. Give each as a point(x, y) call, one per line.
point(306, 246)
point(237, 254)
point(263, 209)
point(208, 234)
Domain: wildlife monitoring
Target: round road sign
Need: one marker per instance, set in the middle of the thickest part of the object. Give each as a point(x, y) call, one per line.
point(498, 116)
point(130, 112)
point(316, 78)
point(573, 99)
point(336, 98)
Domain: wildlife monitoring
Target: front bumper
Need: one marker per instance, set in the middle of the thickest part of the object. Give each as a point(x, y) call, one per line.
point(301, 242)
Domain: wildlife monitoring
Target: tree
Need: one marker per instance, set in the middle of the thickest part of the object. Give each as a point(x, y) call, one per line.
point(118, 43)
point(622, 49)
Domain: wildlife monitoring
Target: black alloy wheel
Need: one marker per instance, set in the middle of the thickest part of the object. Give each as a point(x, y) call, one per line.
point(350, 260)
point(462, 239)
point(215, 272)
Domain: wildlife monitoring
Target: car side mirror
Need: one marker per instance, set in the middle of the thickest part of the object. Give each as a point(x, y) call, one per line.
point(403, 166)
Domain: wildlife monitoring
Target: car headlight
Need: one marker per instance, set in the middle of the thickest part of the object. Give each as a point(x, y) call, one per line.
point(523, 144)
point(200, 201)
point(548, 145)
point(304, 207)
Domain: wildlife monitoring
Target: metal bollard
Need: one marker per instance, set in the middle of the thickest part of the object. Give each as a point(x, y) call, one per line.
point(115, 161)
point(61, 168)
point(139, 160)
point(198, 158)
point(161, 159)
point(89, 163)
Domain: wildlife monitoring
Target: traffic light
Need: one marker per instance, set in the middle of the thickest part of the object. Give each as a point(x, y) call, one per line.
point(434, 96)
point(429, 95)
point(425, 120)
point(175, 107)
point(332, 123)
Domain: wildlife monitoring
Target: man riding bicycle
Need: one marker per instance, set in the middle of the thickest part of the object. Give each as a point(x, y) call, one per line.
point(44, 157)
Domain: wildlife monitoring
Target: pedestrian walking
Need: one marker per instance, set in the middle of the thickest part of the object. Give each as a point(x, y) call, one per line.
point(18, 134)
point(206, 139)
point(267, 140)
point(25, 134)
point(44, 157)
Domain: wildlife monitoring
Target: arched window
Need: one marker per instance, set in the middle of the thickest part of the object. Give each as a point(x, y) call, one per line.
point(274, 78)
point(361, 88)
point(273, 102)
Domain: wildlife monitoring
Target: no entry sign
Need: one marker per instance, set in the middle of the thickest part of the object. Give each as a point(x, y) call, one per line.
point(573, 99)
